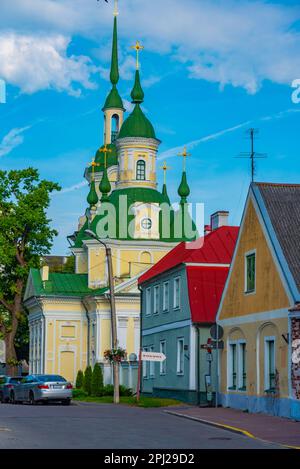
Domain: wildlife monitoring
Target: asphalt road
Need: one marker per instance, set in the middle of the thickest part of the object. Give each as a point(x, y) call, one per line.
point(92, 426)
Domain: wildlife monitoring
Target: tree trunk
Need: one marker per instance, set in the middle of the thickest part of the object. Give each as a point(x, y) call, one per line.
point(11, 356)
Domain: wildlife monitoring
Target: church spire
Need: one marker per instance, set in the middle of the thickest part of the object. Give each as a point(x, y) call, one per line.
point(184, 190)
point(164, 191)
point(105, 186)
point(113, 100)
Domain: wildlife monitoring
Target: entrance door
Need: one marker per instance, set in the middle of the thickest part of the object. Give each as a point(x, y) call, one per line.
point(67, 365)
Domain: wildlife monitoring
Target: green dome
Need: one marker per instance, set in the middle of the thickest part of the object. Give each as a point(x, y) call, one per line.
point(112, 158)
point(105, 186)
point(137, 94)
point(113, 100)
point(92, 198)
point(184, 190)
point(137, 125)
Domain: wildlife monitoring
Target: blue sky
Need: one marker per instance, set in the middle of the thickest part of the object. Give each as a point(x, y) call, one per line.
point(210, 70)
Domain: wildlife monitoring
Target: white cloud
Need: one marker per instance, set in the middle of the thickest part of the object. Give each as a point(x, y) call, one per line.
point(38, 62)
point(73, 188)
point(240, 43)
point(13, 139)
point(174, 151)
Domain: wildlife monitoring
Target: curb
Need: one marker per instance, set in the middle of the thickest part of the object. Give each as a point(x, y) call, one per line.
point(229, 428)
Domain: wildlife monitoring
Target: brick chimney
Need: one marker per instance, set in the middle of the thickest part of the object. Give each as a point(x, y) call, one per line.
point(218, 219)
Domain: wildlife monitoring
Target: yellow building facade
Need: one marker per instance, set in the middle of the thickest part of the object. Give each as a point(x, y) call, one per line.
point(255, 364)
point(69, 314)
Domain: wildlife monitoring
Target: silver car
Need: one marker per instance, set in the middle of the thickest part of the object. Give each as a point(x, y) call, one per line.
point(42, 388)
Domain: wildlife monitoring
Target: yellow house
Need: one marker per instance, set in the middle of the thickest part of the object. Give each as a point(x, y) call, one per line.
point(69, 314)
point(262, 285)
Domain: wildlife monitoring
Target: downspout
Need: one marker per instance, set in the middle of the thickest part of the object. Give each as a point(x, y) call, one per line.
point(198, 367)
point(40, 304)
point(141, 336)
point(88, 331)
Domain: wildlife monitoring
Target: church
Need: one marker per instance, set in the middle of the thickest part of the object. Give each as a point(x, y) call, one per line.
point(69, 314)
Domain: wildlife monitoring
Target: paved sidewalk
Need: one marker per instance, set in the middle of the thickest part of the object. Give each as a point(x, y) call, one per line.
point(265, 427)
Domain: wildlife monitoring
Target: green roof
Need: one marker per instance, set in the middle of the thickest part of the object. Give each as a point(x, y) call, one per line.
point(184, 190)
point(137, 125)
point(113, 100)
point(92, 198)
point(112, 158)
point(137, 93)
point(63, 285)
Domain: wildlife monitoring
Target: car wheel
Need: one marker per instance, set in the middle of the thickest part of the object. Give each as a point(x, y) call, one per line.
point(66, 402)
point(32, 400)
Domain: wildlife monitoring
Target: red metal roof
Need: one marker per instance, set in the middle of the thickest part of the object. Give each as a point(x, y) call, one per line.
point(215, 248)
point(205, 286)
point(205, 282)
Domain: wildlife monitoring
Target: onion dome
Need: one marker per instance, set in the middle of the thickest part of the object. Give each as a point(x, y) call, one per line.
point(92, 198)
point(137, 124)
point(184, 190)
point(104, 186)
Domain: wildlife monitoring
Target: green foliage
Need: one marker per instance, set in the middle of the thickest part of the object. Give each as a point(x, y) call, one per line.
point(79, 380)
point(79, 394)
point(87, 382)
point(97, 381)
point(25, 236)
point(108, 390)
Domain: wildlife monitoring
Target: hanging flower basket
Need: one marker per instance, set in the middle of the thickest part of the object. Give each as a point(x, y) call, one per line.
point(115, 355)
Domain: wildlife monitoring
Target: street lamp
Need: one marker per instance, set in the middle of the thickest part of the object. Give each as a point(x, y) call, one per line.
point(112, 311)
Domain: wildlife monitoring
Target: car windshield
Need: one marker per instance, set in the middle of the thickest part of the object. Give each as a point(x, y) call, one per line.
point(49, 378)
point(15, 380)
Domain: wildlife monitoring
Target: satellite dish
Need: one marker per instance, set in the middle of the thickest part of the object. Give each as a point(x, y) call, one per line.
point(216, 332)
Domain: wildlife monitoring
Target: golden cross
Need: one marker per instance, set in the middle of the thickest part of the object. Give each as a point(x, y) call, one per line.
point(184, 154)
point(116, 12)
point(105, 150)
point(165, 168)
point(93, 164)
point(138, 47)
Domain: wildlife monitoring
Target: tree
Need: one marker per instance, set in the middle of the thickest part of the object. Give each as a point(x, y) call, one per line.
point(79, 380)
point(25, 236)
point(97, 381)
point(87, 382)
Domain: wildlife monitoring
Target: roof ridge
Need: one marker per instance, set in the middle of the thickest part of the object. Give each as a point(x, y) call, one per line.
point(277, 184)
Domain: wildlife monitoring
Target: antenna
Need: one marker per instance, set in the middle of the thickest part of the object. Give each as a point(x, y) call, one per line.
point(252, 155)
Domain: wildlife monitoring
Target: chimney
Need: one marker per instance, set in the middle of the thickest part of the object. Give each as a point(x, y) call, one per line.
point(207, 230)
point(219, 219)
point(45, 273)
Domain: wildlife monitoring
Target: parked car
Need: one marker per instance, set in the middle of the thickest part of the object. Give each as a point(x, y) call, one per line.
point(7, 383)
point(42, 388)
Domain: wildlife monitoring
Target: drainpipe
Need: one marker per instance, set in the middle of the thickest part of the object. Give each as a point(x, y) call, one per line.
point(40, 305)
point(198, 367)
point(141, 338)
point(88, 332)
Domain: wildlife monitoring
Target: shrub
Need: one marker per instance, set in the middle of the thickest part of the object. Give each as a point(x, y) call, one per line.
point(87, 382)
point(79, 380)
point(97, 381)
point(108, 390)
point(78, 393)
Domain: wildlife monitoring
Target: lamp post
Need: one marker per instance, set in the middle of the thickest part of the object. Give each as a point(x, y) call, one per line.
point(112, 312)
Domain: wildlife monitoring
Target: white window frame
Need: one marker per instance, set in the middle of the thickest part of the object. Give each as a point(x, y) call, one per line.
point(176, 306)
point(267, 384)
point(156, 302)
point(152, 364)
point(163, 365)
point(246, 291)
point(148, 301)
point(166, 292)
point(145, 364)
point(180, 371)
point(240, 364)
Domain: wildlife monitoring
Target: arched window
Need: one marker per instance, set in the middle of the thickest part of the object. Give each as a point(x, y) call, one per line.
point(114, 127)
point(141, 170)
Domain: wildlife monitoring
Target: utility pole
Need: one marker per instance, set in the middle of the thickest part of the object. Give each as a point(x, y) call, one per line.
point(253, 155)
point(111, 283)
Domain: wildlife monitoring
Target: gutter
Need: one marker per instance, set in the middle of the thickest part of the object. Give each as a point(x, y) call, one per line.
point(88, 331)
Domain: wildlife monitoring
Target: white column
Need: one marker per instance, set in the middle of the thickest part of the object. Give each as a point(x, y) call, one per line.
point(137, 335)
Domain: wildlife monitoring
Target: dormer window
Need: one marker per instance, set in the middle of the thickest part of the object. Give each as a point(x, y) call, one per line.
point(115, 121)
point(141, 170)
